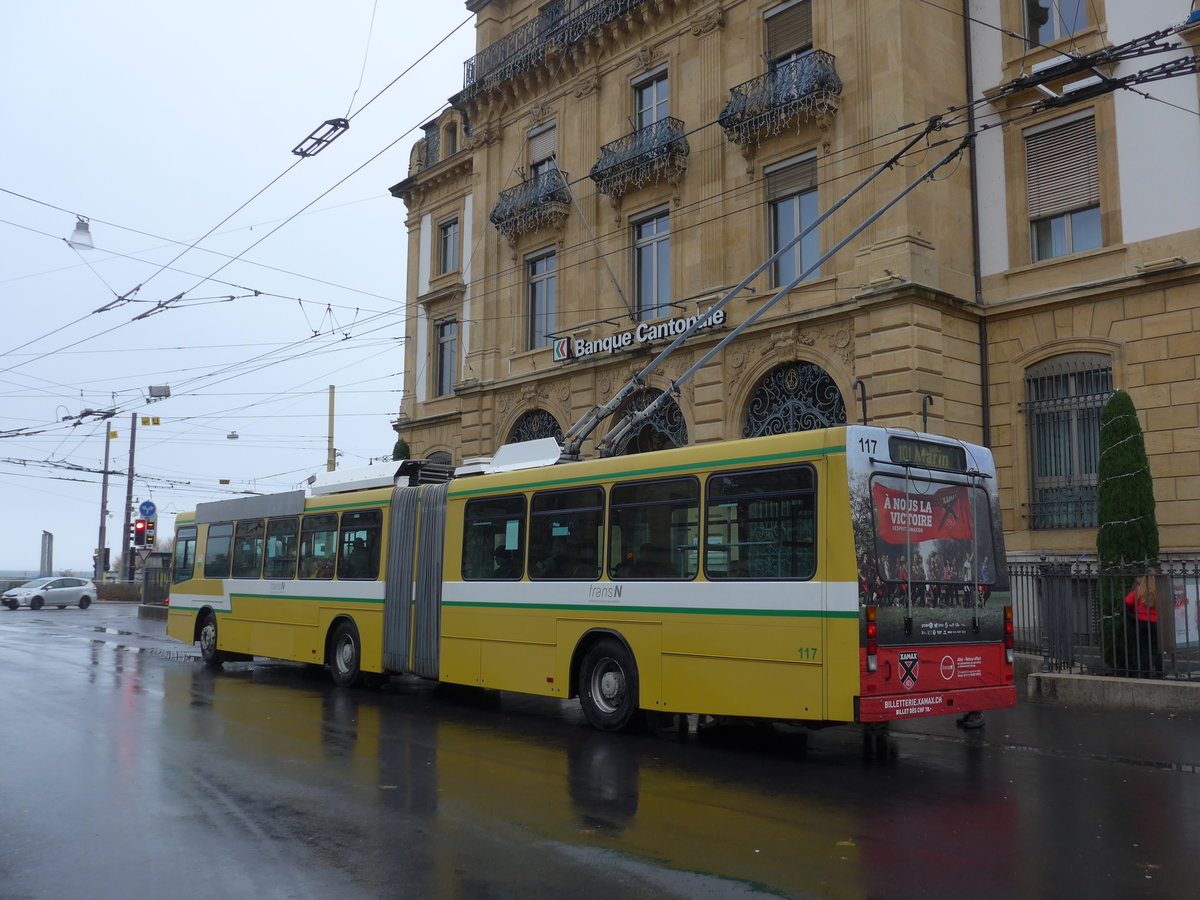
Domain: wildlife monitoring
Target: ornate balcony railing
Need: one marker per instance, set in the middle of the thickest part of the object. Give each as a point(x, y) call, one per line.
point(806, 86)
point(532, 204)
point(658, 152)
point(556, 28)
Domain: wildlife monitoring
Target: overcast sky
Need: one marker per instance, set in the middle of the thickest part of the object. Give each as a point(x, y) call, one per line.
point(156, 121)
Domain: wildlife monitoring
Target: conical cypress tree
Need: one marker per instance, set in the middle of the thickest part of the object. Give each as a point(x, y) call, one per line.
point(1127, 537)
point(400, 450)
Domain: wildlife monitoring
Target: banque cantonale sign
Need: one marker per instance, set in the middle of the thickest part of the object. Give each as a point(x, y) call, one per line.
point(578, 348)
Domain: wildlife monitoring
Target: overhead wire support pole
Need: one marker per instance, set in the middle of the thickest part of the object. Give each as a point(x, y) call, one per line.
point(579, 432)
point(631, 422)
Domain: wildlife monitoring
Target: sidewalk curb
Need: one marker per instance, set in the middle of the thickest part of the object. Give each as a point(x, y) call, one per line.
point(1106, 692)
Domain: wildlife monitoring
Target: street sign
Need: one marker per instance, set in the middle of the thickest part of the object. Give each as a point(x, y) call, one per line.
point(147, 509)
point(143, 555)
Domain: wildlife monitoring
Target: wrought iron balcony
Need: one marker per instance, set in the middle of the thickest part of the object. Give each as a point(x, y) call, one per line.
point(558, 27)
point(807, 86)
point(540, 201)
point(658, 152)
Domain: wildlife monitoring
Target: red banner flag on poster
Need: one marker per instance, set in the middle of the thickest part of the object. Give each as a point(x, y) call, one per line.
point(912, 518)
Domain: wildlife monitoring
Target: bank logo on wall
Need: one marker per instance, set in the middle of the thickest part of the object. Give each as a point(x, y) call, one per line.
point(562, 349)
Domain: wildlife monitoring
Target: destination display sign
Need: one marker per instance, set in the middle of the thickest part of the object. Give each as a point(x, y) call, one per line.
point(927, 453)
point(646, 332)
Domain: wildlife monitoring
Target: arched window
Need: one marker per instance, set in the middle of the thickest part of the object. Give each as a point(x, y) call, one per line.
point(535, 424)
point(440, 456)
point(1063, 399)
point(666, 428)
point(797, 396)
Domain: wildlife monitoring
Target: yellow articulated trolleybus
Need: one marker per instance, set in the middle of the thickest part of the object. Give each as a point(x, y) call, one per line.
point(851, 574)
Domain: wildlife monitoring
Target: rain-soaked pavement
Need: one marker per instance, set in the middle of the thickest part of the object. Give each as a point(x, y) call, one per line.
point(127, 770)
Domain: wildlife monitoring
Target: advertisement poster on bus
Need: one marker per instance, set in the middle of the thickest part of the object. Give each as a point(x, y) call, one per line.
point(926, 517)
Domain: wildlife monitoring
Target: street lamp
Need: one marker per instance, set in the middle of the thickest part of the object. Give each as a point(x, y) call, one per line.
point(81, 237)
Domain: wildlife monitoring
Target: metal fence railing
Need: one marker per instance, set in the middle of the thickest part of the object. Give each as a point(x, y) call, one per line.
point(156, 587)
point(1127, 622)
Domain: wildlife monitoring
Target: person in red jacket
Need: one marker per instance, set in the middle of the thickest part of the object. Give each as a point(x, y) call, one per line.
point(1141, 604)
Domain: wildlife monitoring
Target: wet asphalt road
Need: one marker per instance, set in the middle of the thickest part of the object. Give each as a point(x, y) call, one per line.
point(127, 770)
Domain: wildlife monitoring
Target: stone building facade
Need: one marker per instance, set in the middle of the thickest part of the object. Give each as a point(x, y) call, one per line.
point(611, 168)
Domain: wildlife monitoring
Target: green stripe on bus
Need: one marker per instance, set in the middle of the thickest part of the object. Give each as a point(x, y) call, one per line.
point(707, 465)
point(240, 596)
point(691, 610)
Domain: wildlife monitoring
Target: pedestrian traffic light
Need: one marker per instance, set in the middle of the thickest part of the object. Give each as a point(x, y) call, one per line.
point(139, 533)
point(149, 532)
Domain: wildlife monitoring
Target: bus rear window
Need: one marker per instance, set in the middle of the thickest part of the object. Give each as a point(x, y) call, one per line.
point(761, 524)
point(564, 534)
point(216, 553)
point(654, 529)
point(183, 565)
point(318, 545)
point(494, 539)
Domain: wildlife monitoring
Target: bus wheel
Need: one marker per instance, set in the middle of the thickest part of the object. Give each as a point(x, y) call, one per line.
point(208, 641)
point(608, 686)
point(345, 655)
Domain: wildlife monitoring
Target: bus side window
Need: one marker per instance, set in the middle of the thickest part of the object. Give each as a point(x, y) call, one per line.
point(654, 529)
point(494, 539)
point(183, 565)
point(761, 524)
point(358, 555)
point(282, 540)
point(564, 534)
point(216, 551)
point(248, 549)
point(318, 545)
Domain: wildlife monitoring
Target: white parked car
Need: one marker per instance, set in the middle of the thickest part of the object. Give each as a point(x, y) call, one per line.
point(60, 591)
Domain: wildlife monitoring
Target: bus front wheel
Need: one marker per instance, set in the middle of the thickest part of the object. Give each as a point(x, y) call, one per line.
point(608, 686)
point(345, 655)
point(208, 641)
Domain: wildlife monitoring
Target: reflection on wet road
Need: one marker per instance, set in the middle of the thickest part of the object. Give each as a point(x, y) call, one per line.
point(130, 770)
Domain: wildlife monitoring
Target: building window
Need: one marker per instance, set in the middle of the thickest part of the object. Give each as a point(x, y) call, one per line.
point(542, 148)
point(652, 265)
point(650, 100)
point(447, 355)
point(792, 198)
point(1063, 399)
point(543, 297)
point(1063, 175)
point(448, 246)
point(450, 139)
point(789, 32)
point(1050, 20)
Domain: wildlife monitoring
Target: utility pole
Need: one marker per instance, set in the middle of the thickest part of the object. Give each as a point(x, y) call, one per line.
point(330, 460)
point(127, 553)
point(99, 568)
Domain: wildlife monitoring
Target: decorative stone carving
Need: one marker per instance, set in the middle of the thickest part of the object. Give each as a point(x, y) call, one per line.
point(709, 22)
point(588, 84)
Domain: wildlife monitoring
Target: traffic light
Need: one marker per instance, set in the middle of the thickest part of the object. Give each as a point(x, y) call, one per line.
point(139, 533)
point(150, 532)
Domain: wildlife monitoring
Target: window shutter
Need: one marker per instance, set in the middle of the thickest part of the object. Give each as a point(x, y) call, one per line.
point(1062, 169)
point(542, 144)
point(792, 180)
point(789, 29)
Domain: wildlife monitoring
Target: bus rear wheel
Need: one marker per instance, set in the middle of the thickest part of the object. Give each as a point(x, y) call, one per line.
point(345, 655)
point(213, 658)
point(608, 686)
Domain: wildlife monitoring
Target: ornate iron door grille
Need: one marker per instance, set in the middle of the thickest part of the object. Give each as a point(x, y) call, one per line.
point(797, 396)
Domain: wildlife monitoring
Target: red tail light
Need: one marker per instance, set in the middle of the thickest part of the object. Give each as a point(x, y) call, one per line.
point(872, 640)
point(1008, 634)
